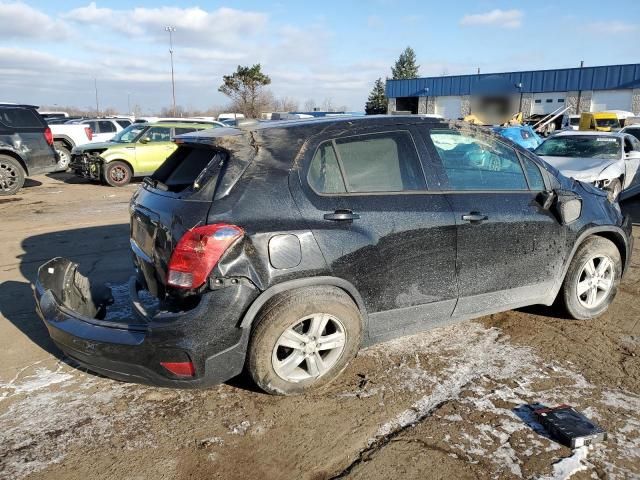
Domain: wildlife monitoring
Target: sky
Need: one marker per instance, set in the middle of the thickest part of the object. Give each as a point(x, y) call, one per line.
point(51, 52)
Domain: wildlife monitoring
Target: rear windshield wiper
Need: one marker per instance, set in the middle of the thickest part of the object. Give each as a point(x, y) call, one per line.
point(157, 184)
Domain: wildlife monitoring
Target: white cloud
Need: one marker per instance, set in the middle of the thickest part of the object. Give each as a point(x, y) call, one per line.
point(221, 26)
point(19, 20)
point(495, 18)
point(612, 27)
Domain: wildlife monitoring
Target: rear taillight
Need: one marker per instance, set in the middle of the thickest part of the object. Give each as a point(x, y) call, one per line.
point(89, 132)
point(180, 369)
point(198, 251)
point(48, 136)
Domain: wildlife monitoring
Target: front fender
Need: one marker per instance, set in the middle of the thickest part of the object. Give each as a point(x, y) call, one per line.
point(125, 154)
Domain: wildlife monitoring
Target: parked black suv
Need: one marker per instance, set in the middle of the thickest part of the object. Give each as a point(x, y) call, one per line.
point(26, 146)
point(284, 247)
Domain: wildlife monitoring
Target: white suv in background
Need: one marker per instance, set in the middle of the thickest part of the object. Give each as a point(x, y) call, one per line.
point(104, 129)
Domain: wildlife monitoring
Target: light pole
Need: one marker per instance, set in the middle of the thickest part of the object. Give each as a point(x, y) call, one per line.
point(95, 84)
point(171, 29)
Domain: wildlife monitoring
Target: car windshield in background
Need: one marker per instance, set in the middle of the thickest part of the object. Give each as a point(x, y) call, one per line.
point(581, 147)
point(574, 122)
point(129, 134)
point(608, 122)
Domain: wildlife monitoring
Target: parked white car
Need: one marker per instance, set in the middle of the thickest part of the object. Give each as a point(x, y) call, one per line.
point(632, 130)
point(608, 160)
point(104, 129)
point(66, 137)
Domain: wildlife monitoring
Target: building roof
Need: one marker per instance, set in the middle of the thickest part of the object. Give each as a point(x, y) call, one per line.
point(537, 81)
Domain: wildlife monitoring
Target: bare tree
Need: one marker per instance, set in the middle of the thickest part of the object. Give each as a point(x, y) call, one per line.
point(309, 105)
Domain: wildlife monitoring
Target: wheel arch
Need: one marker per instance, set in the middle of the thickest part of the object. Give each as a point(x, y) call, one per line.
point(16, 156)
point(269, 293)
point(68, 141)
point(612, 233)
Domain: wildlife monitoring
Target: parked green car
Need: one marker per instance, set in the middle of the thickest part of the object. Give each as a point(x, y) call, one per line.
point(136, 151)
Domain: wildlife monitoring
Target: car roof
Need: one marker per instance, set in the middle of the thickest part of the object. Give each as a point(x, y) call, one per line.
point(177, 124)
point(587, 133)
point(18, 105)
point(322, 123)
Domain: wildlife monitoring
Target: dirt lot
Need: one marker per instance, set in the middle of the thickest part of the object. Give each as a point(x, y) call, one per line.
point(445, 404)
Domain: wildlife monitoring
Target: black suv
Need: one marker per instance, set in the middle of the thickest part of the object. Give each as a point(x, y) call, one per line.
point(284, 247)
point(26, 146)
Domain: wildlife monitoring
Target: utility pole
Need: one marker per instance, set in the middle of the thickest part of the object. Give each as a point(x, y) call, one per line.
point(171, 29)
point(95, 84)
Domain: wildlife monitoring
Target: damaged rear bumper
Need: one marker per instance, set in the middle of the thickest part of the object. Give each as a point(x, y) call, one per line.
point(132, 349)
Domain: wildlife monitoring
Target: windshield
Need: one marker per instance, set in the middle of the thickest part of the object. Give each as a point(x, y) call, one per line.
point(608, 148)
point(129, 134)
point(574, 121)
point(608, 122)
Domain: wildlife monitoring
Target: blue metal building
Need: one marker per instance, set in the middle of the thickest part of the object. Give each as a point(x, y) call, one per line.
point(581, 89)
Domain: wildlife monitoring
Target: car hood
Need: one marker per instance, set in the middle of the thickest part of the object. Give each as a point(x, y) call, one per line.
point(95, 146)
point(584, 169)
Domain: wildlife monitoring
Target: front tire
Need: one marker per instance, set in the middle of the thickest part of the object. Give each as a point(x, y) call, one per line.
point(592, 280)
point(303, 339)
point(117, 173)
point(64, 155)
point(12, 175)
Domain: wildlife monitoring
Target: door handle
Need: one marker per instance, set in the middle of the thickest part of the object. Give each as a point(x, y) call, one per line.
point(474, 217)
point(341, 215)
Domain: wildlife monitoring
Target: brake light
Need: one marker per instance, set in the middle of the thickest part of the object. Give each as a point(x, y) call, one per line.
point(198, 251)
point(89, 132)
point(48, 136)
point(181, 369)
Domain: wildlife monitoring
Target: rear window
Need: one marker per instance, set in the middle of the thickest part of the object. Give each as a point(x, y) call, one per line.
point(124, 123)
point(20, 118)
point(185, 166)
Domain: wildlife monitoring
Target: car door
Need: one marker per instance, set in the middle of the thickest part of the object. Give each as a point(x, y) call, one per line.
point(366, 200)
point(509, 248)
point(152, 148)
point(631, 157)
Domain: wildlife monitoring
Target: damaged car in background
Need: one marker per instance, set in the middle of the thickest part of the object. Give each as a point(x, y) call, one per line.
point(135, 151)
point(608, 161)
point(282, 248)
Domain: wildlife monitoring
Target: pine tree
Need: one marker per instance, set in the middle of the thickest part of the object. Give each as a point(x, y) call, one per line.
point(406, 66)
point(377, 101)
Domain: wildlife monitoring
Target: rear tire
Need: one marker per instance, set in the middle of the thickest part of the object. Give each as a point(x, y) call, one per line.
point(64, 155)
point(304, 339)
point(592, 280)
point(117, 173)
point(12, 175)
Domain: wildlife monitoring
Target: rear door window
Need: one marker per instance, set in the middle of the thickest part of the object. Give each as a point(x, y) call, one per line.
point(106, 126)
point(158, 134)
point(20, 118)
point(377, 162)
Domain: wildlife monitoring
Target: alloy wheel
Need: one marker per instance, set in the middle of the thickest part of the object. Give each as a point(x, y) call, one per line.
point(595, 281)
point(309, 348)
point(118, 174)
point(8, 176)
point(63, 159)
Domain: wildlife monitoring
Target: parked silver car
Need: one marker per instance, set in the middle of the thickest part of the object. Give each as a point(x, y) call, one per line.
point(608, 160)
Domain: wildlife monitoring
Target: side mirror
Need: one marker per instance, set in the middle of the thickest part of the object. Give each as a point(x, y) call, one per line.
point(145, 140)
point(546, 199)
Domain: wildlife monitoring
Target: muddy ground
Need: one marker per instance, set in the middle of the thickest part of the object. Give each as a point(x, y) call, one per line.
point(450, 403)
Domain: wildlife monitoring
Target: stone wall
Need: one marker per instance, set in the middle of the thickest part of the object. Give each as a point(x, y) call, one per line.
point(585, 101)
point(391, 105)
point(571, 101)
point(527, 104)
point(465, 105)
point(635, 101)
point(431, 105)
point(422, 105)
